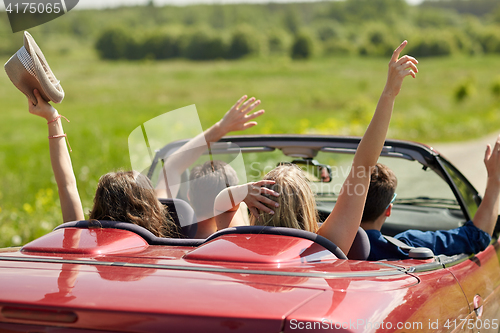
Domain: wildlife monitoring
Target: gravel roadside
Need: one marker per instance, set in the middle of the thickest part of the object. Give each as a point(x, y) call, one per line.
point(468, 158)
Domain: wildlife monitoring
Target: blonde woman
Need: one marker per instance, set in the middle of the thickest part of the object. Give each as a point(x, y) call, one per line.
point(290, 196)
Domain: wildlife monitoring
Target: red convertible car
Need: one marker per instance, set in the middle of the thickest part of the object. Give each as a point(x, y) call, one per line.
point(102, 276)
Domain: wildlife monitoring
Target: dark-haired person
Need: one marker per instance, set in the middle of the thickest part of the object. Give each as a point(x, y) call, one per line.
point(207, 180)
point(473, 237)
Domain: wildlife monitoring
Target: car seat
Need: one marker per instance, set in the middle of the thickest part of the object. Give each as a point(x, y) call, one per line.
point(143, 232)
point(360, 249)
point(180, 210)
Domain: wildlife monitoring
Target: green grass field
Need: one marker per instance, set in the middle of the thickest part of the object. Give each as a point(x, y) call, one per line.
point(105, 101)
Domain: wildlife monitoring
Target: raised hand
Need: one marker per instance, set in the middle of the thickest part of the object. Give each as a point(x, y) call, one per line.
point(257, 197)
point(492, 161)
point(399, 68)
point(42, 108)
point(487, 212)
point(238, 117)
point(69, 198)
point(342, 224)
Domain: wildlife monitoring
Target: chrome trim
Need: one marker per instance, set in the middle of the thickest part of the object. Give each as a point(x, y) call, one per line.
point(396, 271)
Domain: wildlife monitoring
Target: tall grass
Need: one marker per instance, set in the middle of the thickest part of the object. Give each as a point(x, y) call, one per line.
point(105, 101)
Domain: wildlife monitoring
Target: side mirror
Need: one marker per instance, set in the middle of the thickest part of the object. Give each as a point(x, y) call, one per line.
point(314, 171)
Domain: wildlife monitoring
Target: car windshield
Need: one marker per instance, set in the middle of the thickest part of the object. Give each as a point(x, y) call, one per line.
point(424, 200)
point(416, 185)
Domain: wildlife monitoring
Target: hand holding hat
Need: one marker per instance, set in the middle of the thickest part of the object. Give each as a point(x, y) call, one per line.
point(42, 108)
point(29, 70)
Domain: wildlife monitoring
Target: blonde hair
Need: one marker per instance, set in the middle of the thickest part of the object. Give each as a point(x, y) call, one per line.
point(297, 207)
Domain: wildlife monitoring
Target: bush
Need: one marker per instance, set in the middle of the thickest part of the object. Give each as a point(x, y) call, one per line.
point(240, 46)
point(203, 45)
point(197, 45)
point(464, 89)
point(436, 18)
point(278, 42)
point(302, 47)
point(134, 48)
point(162, 46)
point(432, 43)
point(329, 30)
point(243, 42)
point(490, 40)
point(495, 88)
point(377, 41)
point(466, 44)
point(339, 47)
point(291, 20)
point(495, 16)
point(113, 43)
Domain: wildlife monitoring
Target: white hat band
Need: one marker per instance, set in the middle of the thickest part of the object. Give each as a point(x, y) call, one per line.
point(26, 60)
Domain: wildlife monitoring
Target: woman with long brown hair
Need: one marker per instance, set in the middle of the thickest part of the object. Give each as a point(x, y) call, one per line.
point(129, 196)
point(125, 196)
point(120, 196)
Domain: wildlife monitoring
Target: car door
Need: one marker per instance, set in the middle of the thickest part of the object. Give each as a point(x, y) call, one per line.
point(479, 275)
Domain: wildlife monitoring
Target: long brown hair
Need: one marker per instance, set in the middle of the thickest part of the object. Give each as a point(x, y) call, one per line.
point(129, 197)
point(297, 207)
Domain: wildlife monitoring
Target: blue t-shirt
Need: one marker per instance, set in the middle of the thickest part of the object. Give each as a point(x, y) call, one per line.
point(465, 239)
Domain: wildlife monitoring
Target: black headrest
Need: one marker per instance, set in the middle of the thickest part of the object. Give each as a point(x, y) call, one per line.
point(143, 232)
point(360, 249)
point(183, 215)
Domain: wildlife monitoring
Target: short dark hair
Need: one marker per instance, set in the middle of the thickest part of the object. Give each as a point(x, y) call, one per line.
point(205, 183)
point(383, 183)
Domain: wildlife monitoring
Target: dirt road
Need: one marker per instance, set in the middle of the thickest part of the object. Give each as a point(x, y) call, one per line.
point(468, 158)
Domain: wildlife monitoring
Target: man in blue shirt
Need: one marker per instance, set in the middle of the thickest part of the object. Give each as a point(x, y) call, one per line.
point(473, 237)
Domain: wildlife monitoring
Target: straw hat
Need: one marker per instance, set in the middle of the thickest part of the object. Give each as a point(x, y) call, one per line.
point(28, 70)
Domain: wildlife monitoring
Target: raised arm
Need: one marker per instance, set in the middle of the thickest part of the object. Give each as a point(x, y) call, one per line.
point(487, 213)
point(236, 119)
point(342, 224)
point(71, 205)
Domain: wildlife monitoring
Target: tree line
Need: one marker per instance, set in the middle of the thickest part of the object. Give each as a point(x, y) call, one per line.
point(352, 27)
point(297, 30)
